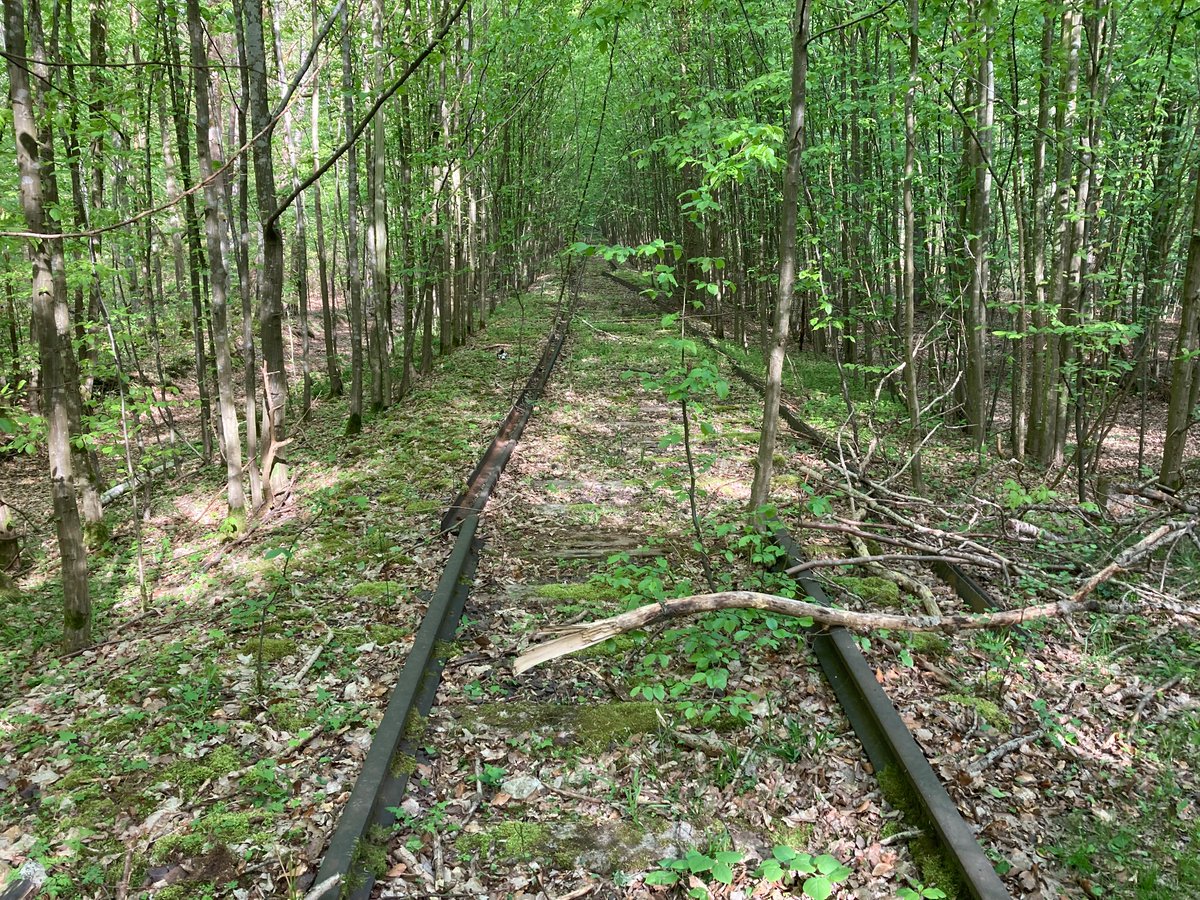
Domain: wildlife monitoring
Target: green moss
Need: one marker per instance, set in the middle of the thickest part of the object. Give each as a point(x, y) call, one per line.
point(872, 589)
point(286, 716)
point(987, 709)
point(797, 838)
point(403, 764)
point(190, 890)
point(937, 870)
point(511, 841)
point(387, 634)
point(929, 644)
point(371, 855)
point(445, 650)
point(376, 589)
point(595, 725)
point(189, 774)
point(219, 827)
point(415, 725)
point(273, 648)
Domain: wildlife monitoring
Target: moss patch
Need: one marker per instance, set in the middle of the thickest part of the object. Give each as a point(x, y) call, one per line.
point(415, 725)
point(217, 828)
point(596, 725)
point(189, 774)
point(387, 634)
point(403, 764)
point(936, 868)
point(273, 648)
point(514, 841)
point(376, 589)
point(601, 847)
point(929, 644)
point(987, 709)
point(873, 589)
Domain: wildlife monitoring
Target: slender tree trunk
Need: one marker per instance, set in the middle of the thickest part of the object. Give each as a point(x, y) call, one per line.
point(760, 490)
point(191, 225)
point(270, 313)
point(333, 367)
point(354, 423)
point(980, 144)
point(291, 144)
point(52, 318)
point(380, 282)
point(218, 278)
point(910, 263)
point(250, 371)
point(1180, 407)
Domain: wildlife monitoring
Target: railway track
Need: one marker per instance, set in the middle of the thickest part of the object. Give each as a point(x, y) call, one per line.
point(351, 866)
point(380, 786)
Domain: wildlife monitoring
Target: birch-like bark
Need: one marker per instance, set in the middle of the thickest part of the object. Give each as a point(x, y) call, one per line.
point(218, 276)
point(52, 321)
point(760, 490)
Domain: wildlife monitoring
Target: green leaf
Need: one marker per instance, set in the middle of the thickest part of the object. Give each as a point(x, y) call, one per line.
point(722, 873)
point(784, 854)
point(818, 887)
point(770, 870)
point(659, 876)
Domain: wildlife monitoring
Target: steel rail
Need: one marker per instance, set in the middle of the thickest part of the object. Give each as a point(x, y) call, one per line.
point(381, 783)
point(885, 738)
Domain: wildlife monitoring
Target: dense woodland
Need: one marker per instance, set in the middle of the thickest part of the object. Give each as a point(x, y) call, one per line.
point(237, 237)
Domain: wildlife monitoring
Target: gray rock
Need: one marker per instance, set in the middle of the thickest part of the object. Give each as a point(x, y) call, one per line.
point(521, 787)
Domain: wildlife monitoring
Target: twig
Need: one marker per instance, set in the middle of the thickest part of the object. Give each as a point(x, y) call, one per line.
point(1162, 688)
point(900, 836)
point(1004, 749)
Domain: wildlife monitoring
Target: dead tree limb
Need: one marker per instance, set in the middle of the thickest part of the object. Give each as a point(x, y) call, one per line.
point(1147, 545)
point(584, 636)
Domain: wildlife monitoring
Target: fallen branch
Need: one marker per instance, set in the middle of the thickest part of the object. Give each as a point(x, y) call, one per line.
point(824, 563)
point(1004, 749)
point(1147, 545)
point(593, 633)
point(133, 483)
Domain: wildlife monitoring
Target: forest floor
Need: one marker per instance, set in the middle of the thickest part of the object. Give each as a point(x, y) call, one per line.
point(205, 747)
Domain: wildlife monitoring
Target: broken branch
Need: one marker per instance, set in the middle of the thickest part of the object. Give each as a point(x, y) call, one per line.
point(584, 636)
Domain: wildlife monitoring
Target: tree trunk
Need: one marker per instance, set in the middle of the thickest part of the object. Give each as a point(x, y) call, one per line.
point(354, 423)
point(270, 314)
point(250, 374)
point(975, 318)
point(218, 279)
point(333, 367)
point(52, 319)
point(910, 263)
point(380, 282)
point(1179, 410)
point(761, 488)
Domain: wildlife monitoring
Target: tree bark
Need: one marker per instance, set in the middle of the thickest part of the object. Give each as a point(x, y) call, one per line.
point(354, 422)
point(1179, 409)
point(218, 277)
point(910, 264)
point(270, 313)
point(333, 366)
point(760, 490)
point(52, 319)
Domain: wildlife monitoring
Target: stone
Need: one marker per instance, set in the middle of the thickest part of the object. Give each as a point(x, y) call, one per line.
point(521, 787)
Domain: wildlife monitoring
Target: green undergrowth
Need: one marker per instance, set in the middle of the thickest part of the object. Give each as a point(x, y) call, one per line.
point(192, 703)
